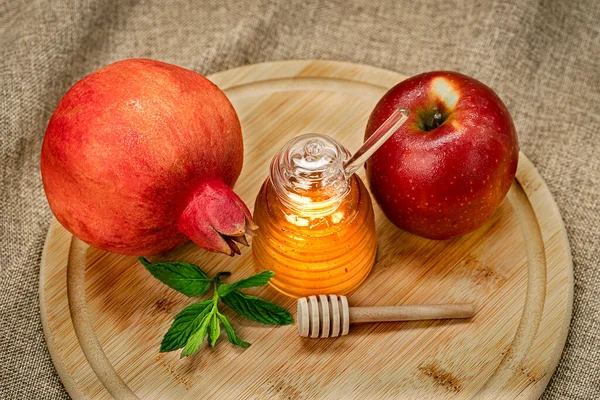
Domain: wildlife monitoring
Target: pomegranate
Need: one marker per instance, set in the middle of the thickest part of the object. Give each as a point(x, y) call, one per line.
point(140, 156)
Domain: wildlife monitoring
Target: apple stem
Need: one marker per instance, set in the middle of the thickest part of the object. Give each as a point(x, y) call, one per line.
point(436, 120)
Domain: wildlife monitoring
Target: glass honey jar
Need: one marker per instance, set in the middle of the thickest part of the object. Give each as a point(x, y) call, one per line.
point(315, 215)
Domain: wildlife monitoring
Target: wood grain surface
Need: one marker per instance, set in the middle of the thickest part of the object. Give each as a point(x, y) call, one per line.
point(516, 270)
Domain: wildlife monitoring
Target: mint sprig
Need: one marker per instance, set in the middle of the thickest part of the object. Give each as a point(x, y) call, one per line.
point(200, 320)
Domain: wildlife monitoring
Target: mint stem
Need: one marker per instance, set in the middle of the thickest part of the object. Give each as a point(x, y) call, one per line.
point(215, 293)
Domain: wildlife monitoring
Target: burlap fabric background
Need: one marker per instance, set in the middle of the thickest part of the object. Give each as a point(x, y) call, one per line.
point(540, 56)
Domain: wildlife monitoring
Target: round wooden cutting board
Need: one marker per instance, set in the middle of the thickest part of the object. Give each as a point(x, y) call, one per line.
point(516, 270)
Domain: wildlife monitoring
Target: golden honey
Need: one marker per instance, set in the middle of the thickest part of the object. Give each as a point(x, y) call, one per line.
point(317, 230)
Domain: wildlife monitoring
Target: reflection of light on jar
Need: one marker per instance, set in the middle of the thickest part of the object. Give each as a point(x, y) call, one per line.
point(337, 217)
point(296, 220)
point(317, 231)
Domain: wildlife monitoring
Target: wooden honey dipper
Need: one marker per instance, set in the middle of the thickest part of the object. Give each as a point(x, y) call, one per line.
point(331, 316)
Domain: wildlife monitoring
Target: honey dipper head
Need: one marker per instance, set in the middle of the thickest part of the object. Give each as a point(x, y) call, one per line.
point(323, 316)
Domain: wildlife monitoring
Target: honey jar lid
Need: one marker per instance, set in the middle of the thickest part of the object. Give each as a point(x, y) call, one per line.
point(308, 173)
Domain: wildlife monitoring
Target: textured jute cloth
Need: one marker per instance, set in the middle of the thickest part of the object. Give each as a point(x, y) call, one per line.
point(541, 57)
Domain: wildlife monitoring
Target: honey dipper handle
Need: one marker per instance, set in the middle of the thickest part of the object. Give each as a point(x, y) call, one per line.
point(410, 313)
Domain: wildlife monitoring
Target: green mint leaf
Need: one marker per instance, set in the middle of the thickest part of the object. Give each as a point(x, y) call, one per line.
point(186, 278)
point(251, 281)
point(231, 333)
point(197, 338)
point(185, 323)
point(214, 331)
point(257, 309)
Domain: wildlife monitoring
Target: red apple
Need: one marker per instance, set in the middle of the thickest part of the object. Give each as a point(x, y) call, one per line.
point(446, 170)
